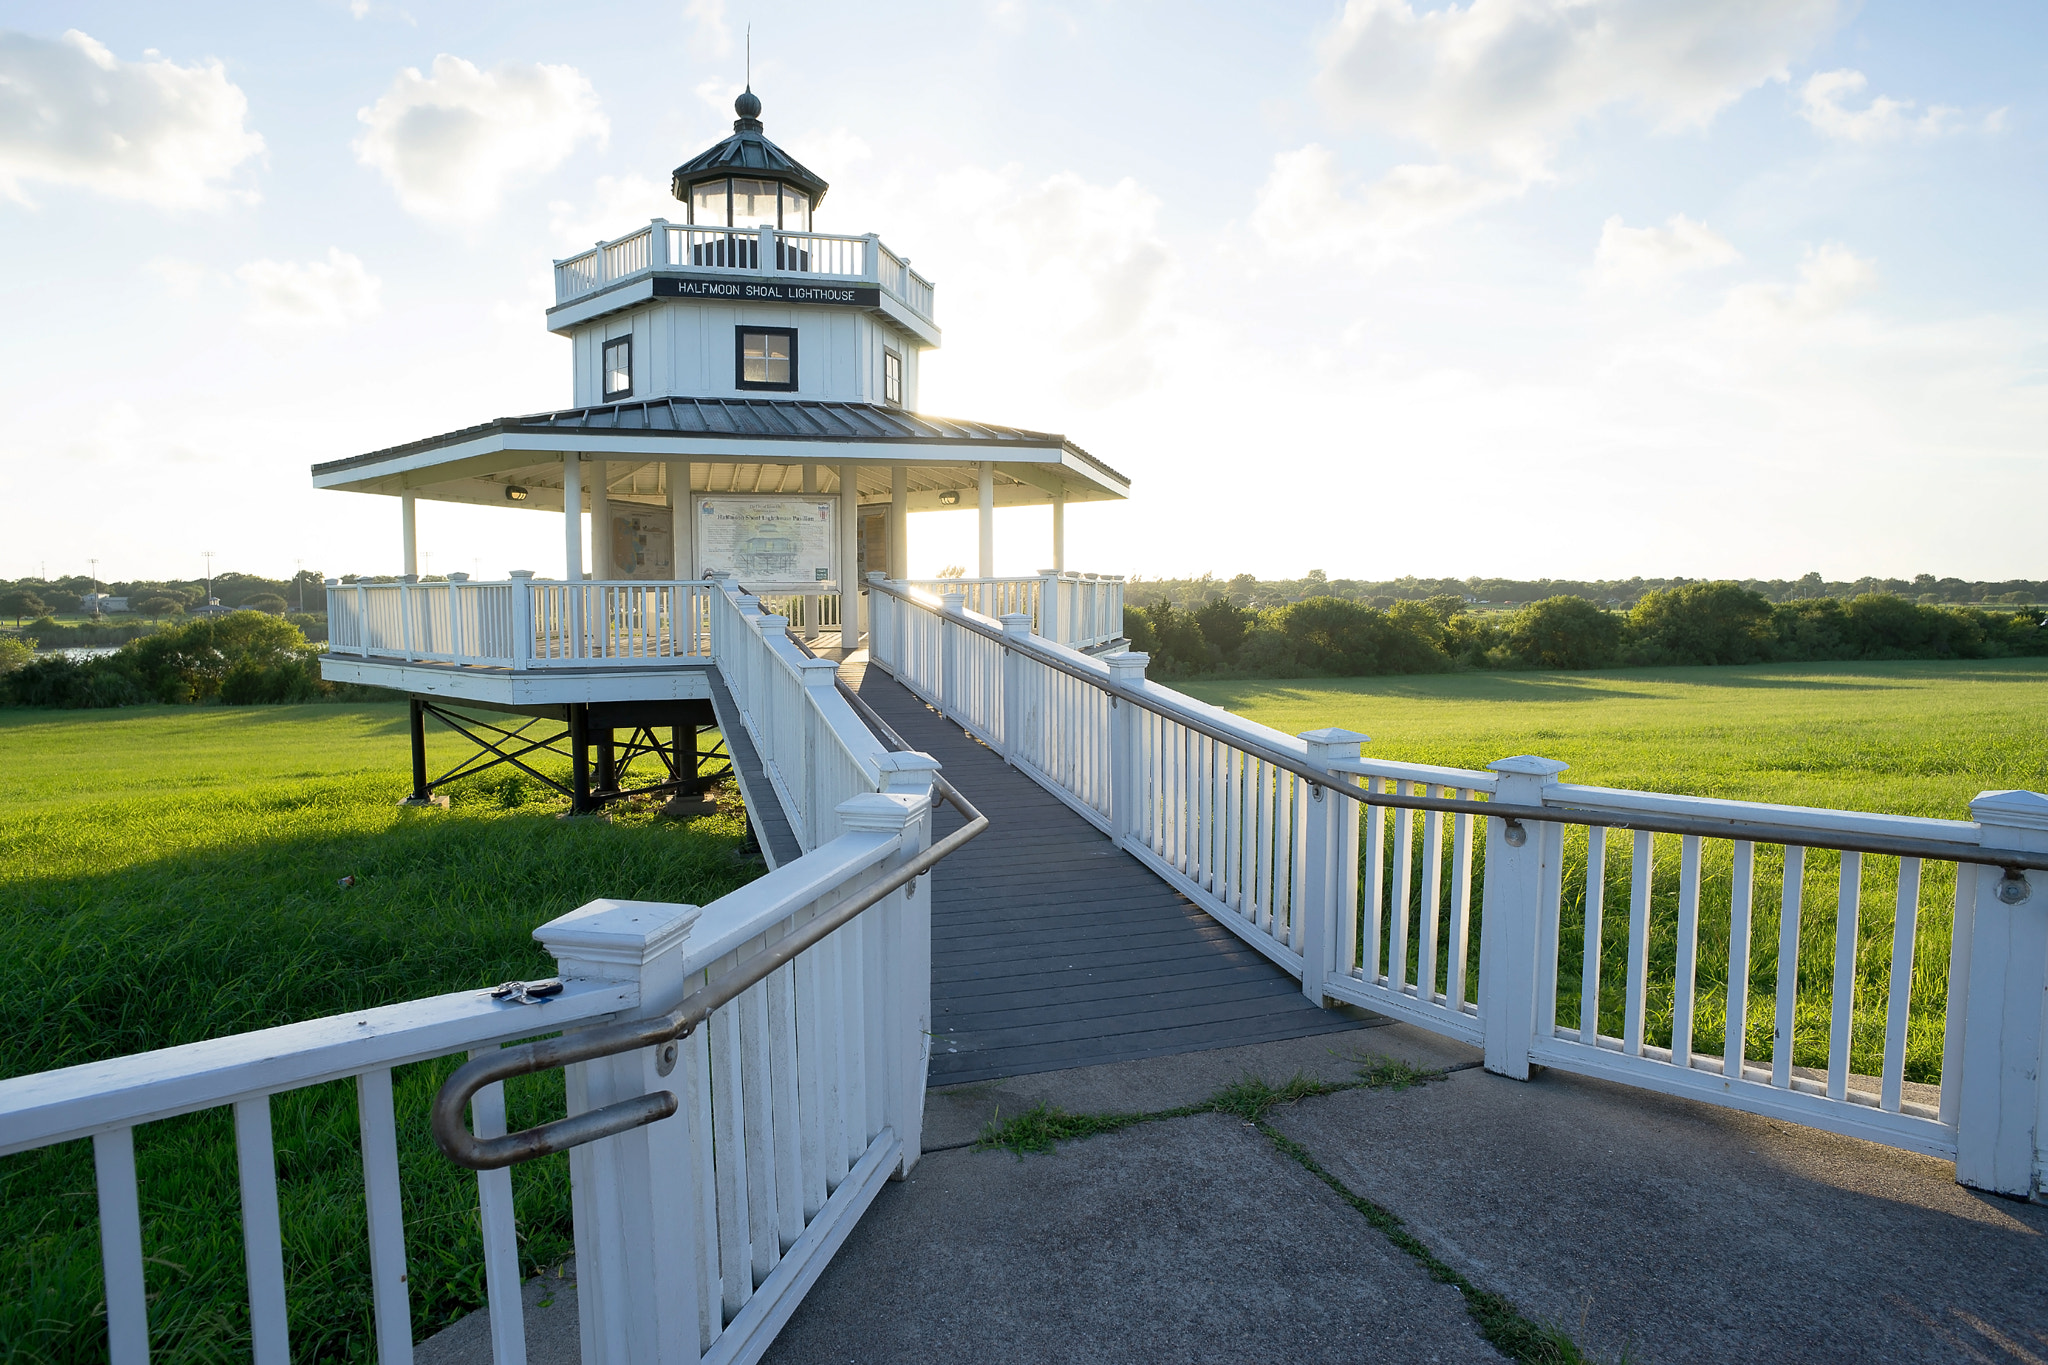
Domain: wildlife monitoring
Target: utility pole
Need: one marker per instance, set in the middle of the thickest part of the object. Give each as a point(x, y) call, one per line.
point(209, 575)
point(300, 578)
point(94, 564)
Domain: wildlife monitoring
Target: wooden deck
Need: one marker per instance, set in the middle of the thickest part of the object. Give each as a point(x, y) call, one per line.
point(1053, 948)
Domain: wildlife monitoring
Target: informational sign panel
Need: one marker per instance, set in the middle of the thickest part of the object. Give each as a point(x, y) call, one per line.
point(643, 543)
point(769, 544)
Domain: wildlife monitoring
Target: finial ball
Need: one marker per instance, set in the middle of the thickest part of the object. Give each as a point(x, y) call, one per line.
point(748, 105)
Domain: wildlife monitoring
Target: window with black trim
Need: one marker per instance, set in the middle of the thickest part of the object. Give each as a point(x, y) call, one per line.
point(618, 367)
point(766, 358)
point(892, 379)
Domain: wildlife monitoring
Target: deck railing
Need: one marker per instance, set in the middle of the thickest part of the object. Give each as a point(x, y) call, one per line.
point(795, 1101)
point(662, 245)
point(1361, 877)
point(1084, 610)
point(524, 623)
point(816, 750)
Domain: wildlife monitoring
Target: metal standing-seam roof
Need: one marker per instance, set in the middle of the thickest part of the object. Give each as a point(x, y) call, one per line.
point(747, 150)
point(769, 419)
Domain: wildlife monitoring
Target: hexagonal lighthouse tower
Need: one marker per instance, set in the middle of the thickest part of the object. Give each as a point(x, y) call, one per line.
point(746, 405)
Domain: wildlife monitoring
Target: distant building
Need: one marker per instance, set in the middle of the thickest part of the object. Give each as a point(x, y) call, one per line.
point(99, 603)
point(212, 607)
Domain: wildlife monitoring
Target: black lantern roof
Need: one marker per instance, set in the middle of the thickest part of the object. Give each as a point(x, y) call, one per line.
point(747, 152)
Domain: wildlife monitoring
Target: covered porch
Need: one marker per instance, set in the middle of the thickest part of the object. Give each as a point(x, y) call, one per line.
point(794, 500)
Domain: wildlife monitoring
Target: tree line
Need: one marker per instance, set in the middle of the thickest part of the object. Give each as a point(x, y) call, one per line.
point(1620, 593)
point(240, 659)
point(1696, 623)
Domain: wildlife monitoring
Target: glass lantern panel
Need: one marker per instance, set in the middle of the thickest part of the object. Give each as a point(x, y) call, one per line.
point(753, 203)
point(796, 210)
point(708, 203)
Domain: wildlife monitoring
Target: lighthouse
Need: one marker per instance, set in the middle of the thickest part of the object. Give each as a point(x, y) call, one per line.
point(746, 413)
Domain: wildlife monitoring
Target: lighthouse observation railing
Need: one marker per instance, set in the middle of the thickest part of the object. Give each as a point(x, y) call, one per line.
point(789, 1107)
point(663, 245)
point(1904, 958)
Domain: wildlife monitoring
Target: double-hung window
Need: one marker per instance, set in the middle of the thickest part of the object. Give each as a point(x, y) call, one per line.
point(892, 379)
point(766, 358)
point(618, 368)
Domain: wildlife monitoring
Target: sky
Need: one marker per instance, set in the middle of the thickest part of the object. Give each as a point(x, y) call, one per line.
point(1565, 288)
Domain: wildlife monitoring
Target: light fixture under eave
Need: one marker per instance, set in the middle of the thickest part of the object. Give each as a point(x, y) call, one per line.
point(514, 493)
point(949, 498)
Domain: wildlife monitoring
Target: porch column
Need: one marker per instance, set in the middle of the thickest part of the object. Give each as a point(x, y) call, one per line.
point(849, 556)
point(600, 520)
point(1059, 532)
point(408, 522)
point(813, 602)
point(682, 522)
point(572, 518)
point(987, 483)
point(899, 522)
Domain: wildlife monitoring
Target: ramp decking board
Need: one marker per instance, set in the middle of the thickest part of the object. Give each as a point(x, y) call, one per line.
point(1052, 948)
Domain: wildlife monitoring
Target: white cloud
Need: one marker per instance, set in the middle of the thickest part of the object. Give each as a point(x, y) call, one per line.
point(451, 144)
point(72, 113)
point(1645, 256)
point(325, 293)
point(181, 279)
point(710, 35)
point(1883, 119)
point(1511, 77)
point(615, 206)
point(1063, 284)
point(1830, 277)
point(1305, 212)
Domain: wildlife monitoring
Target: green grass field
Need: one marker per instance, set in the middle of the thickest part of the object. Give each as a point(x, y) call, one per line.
point(169, 874)
point(1908, 738)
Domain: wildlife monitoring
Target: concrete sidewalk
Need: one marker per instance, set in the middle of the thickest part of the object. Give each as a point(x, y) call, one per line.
point(1651, 1229)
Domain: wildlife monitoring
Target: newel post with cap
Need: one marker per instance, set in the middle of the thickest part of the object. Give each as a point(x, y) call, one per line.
point(2001, 951)
point(1017, 710)
point(642, 1304)
point(1126, 746)
point(1523, 858)
point(905, 923)
point(1329, 889)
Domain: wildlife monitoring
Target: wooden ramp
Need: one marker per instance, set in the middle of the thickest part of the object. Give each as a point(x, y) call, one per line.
point(1053, 948)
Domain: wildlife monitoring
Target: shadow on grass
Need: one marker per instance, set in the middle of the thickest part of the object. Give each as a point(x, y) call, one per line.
point(1626, 683)
point(195, 945)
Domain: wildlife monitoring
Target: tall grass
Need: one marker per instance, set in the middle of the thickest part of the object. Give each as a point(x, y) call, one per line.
point(1909, 738)
point(173, 875)
point(1812, 1018)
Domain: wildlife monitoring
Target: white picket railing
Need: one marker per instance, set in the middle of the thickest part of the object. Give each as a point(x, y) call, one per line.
point(1375, 903)
point(1084, 610)
point(521, 624)
point(663, 245)
point(817, 752)
point(798, 1099)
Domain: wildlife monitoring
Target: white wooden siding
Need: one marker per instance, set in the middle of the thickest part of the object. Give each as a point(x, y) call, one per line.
point(686, 348)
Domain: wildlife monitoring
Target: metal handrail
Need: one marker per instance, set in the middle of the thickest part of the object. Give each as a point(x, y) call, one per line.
point(2013, 861)
point(464, 1148)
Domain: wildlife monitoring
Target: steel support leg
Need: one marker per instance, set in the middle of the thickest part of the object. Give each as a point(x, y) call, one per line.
point(607, 762)
point(579, 759)
point(420, 791)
